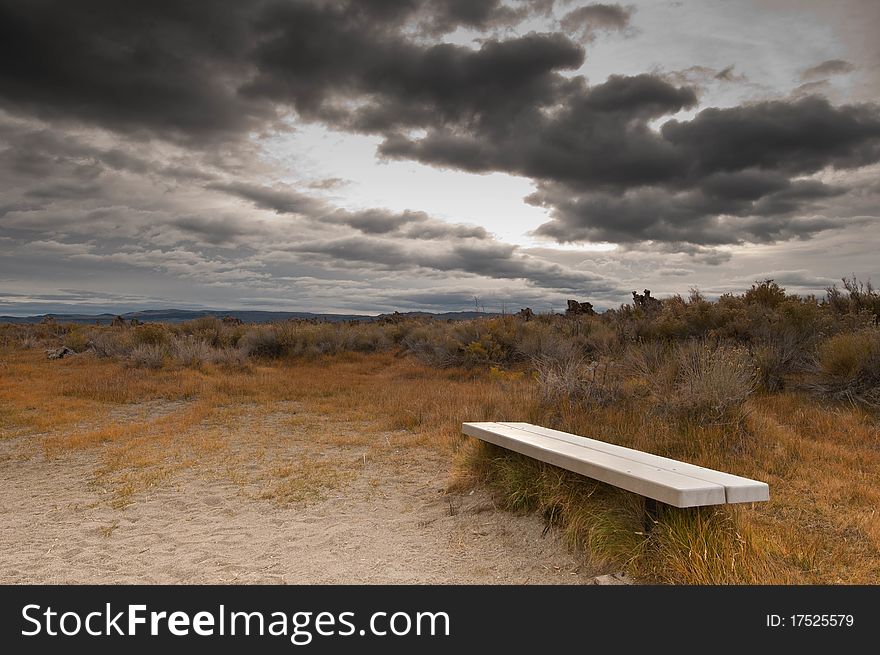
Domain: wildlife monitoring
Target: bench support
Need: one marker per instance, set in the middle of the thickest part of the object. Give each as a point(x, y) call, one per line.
point(651, 514)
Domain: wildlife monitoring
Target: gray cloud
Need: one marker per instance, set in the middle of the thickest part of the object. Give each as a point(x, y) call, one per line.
point(282, 201)
point(827, 69)
point(494, 260)
point(409, 224)
point(328, 183)
point(731, 175)
point(700, 76)
point(586, 21)
point(502, 106)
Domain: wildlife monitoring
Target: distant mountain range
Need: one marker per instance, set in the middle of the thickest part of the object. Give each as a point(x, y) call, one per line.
point(247, 316)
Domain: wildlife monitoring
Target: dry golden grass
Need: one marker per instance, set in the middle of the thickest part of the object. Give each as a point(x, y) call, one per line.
point(261, 427)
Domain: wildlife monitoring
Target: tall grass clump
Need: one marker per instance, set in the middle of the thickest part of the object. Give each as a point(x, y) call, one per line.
point(148, 355)
point(573, 379)
point(711, 545)
point(77, 339)
point(712, 382)
point(848, 367)
point(111, 343)
point(261, 342)
point(708, 546)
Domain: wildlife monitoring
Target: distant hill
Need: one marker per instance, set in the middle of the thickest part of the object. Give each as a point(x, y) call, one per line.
point(247, 316)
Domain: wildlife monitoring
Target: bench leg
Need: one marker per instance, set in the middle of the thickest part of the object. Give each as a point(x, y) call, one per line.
point(652, 508)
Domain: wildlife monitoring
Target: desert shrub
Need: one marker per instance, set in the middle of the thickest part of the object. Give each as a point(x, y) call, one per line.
point(773, 360)
point(153, 334)
point(29, 340)
point(507, 340)
point(654, 363)
point(300, 339)
point(766, 294)
point(367, 337)
point(781, 349)
point(190, 351)
point(19, 336)
point(77, 339)
point(544, 343)
point(671, 322)
point(601, 338)
point(860, 297)
point(712, 381)
point(316, 340)
point(848, 367)
point(208, 329)
point(576, 380)
point(431, 345)
point(261, 341)
point(229, 357)
point(148, 355)
point(111, 342)
point(483, 342)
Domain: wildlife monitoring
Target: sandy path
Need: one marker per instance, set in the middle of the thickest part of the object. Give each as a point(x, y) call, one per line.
point(194, 528)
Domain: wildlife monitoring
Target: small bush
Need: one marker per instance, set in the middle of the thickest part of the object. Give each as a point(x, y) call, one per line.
point(261, 342)
point(152, 334)
point(77, 339)
point(712, 381)
point(148, 355)
point(575, 380)
point(848, 367)
point(861, 297)
point(654, 363)
point(111, 343)
point(189, 351)
point(766, 294)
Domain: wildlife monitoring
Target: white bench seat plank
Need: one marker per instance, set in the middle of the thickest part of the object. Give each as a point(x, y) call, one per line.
point(646, 480)
point(737, 489)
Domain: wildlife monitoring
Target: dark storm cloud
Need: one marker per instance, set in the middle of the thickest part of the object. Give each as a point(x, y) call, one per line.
point(320, 59)
point(793, 138)
point(827, 69)
point(599, 136)
point(164, 67)
point(205, 73)
point(687, 216)
point(177, 69)
point(722, 167)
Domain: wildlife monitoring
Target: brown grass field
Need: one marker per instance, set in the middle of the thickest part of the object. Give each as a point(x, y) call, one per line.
point(334, 454)
point(287, 435)
point(331, 471)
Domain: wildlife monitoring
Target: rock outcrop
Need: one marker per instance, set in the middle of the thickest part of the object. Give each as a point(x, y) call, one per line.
point(579, 308)
point(645, 301)
point(60, 353)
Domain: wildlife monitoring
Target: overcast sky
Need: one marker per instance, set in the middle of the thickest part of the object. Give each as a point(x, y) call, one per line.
point(377, 155)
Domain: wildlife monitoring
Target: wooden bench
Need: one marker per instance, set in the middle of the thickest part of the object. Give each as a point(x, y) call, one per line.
point(658, 478)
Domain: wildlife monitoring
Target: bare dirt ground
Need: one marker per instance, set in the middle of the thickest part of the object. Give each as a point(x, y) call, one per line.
point(388, 521)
